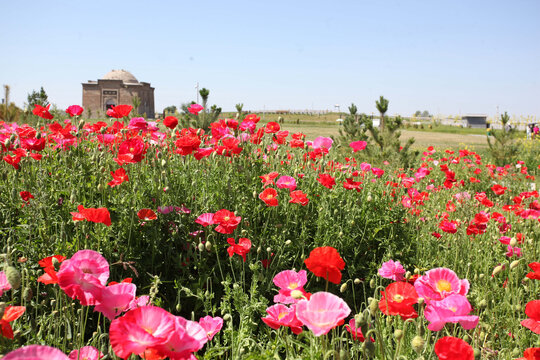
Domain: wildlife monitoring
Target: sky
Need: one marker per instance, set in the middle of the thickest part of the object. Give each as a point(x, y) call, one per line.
point(446, 57)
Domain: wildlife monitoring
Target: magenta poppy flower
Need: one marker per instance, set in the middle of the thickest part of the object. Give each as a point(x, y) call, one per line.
point(36, 352)
point(187, 338)
point(513, 251)
point(286, 182)
point(454, 308)
point(287, 281)
point(84, 276)
point(195, 109)
point(205, 219)
point(86, 353)
point(281, 315)
point(322, 312)
point(115, 299)
point(74, 110)
point(212, 325)
point(355, 332)
point(377, 172)
point(358, 145)
point(365, 166)
point(440, 283)
point(392, 270)
point(322, 142)
point(4, 283)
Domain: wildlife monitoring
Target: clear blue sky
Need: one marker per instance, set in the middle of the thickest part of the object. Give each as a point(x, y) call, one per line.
point(447, 57)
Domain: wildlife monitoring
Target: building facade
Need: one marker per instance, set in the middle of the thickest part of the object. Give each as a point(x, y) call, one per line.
point(115, 88)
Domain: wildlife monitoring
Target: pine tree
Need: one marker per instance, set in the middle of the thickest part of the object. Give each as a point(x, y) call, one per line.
point(503, 147)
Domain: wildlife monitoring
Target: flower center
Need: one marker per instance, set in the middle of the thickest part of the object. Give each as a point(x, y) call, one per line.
point(444, 285)
point(293, 285)
point(282, 315)
point(398, 298)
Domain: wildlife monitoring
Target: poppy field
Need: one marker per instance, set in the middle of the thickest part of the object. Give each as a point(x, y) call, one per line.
point(136, 239)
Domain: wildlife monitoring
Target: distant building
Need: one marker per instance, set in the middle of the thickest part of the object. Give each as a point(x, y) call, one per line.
point(475, 120)
point(115, 88)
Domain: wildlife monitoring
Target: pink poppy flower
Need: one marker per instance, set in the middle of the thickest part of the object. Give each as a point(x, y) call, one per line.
point(358, 145)
point(86, 353)
point(139, 302)
point(287, 281)
point(187, 338)
point(195, 109)
point(377, 172)
point(392, 270)
point(322, 142)
point(365, 166)
point(212, 325)
point(36, 352)
point(205, 219)
point(440, 283)
point(147, 326)
point(505, 240)
point(281, 315)
point(454, 308)
point(355, 332)
point(322, 312)
point(165, 209)
point(286, 182)
point(115, 299)
point(84, 276)
point(74, 110)
point(511, 251)
point(4, 283)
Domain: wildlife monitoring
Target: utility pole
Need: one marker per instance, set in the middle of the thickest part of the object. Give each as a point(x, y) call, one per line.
point(197, 87)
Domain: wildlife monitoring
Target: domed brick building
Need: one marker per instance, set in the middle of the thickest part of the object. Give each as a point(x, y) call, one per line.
point(115, 88)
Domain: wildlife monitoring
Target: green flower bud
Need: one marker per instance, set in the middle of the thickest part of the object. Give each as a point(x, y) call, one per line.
point(417, 344)
point(477, 354)
point(369, 348)
point(398, 334)
point(14, 277)
point(514, 264)
point(482, 304)
point(373, 306)
point(201, 247)
point(2, 309)
point(343, 287)
point(497, 270)
point(28, 293)
point(178, 307)
point(372, 283)
point(227, 317)
point(513, 242)
point(357, 281)
point(208, 246)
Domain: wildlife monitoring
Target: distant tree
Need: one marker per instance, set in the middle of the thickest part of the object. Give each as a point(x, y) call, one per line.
point(239, 111)
point(382, 107)
point(204, 95)
point(136, 102)
point(426, 114)
point(39, 98)
point(503, 147)
point(205, 117)
point(418, 113)
point(9, 112)
point(169, 110)
point(354, 126)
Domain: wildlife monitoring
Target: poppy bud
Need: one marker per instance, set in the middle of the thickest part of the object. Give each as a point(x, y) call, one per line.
point(201, 247)
point(7, 143)
point(417, 344)
point(178, 307)
point(2, 309)
point(28, 294)
point(163, 162)
point(359, 320)
point(227, 317)
point(373, 306)
point(357, 281)
point(482, 304)
point(343, 354)
point(513, 242)
point(288, 242)
point(99, 187)
point(514, 264)
point(408, 275)
point(369, 348)
point(421, 301)
point(269, 249)
point(416, 271)
point(398, 334)
point(208, 246)
point(166, 188)
point(517, 307)
point(497, 270)
point(372, 283)
point(477, 354)
point(343, 287)
point(81, 125)
point(14, 277)
point(297, 294)
point(369, 198)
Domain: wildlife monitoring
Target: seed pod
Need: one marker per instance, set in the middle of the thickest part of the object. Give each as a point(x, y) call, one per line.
point(14, 277)
point(417, 344)
point(343, 287)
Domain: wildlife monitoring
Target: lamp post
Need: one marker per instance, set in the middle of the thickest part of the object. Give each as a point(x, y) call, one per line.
point(197, 87)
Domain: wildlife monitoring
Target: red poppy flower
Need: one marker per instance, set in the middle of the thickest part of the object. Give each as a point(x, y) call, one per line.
point(133, 149)
point(26, 196)
point(50, 271)
point(449, 226)
point(12, 160)
point(226, 220)
point(119, 111)
point(535, 274)
point(10, 314)
point(269, 196)
point(119, 176)
point(170, 122)
point(272, 127)
point(242, 248)
point(326, 180)
point(531, 354)
point(99, 215)
point(326, 262)
point(42, 112)
point(146, 214)
point(532, 310)
point(268, 179)
point(451, 348)
point(74, 110)
point(350, 184)
point(188, 142)
point(298, 197)
point(498, 189)
point(398, 299)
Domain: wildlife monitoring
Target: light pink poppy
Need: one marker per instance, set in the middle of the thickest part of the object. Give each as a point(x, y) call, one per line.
point(86, 353)
point(287, 281)
point(358, 145)
point(322, 142)
point(212, 325)
point(440, 283)
point(187, 338)
point(322, 312)
point(286, 182)
point(147, 326)
point(83, 276)
point(205, 219)
point(392, 270)
point(165, 209)
point(454, 308)
point(281, 315)
point(36, 352)
point(4, 283)
point(115, 299)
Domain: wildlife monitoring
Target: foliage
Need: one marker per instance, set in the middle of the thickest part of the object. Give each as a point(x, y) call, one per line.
point(36, 97)
point(354, 126)
point(170, 110)
point(205, 117)
point(503, 147)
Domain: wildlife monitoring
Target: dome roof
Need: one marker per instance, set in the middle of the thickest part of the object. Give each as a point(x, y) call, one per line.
point(123, 75)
